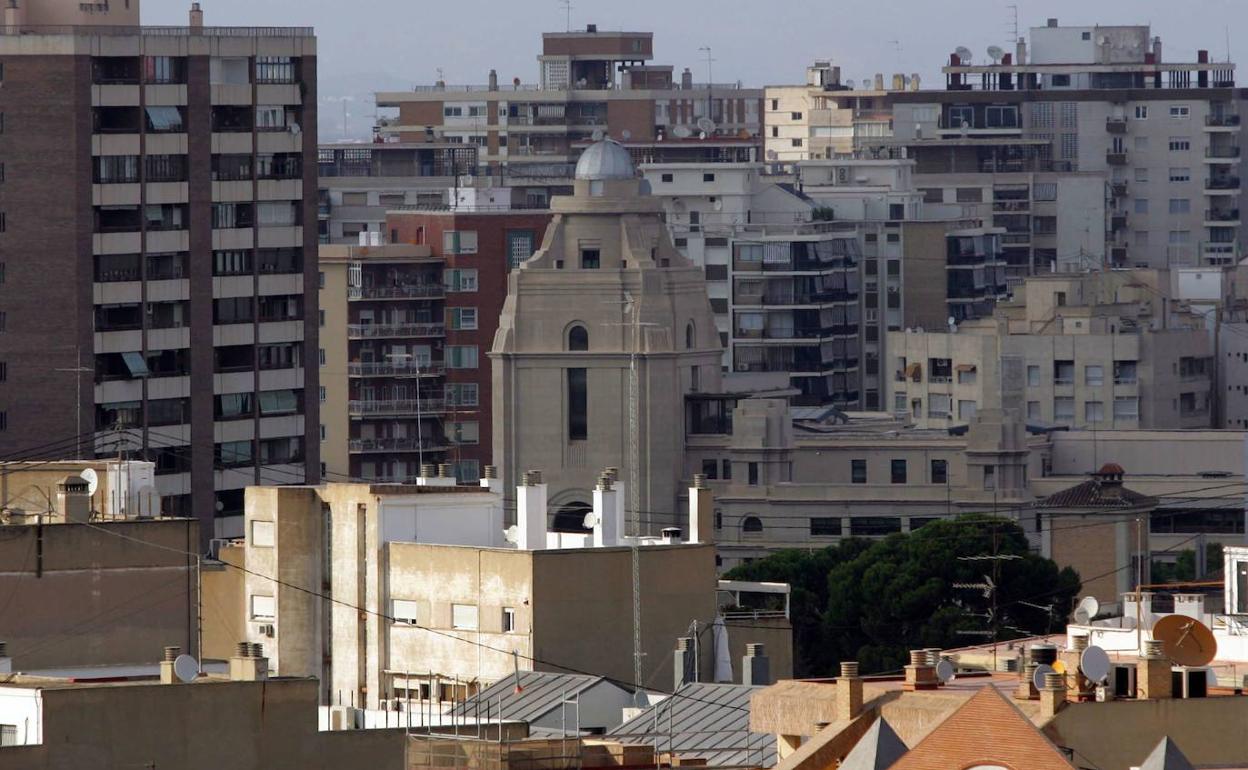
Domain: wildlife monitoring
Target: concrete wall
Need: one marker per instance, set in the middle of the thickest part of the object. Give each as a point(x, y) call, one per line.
point(333, 345)
point(108, 593)
point(225, 602)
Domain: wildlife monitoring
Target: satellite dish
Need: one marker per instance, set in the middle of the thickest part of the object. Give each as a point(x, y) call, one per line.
point(849, 84)
point(597, 135)
point(681, 132)
point(706, 125)
point(944, 671)
point(92, 478)
point(512, 534)
point(1094, 663)
point(951, 321)
point(718, 205)
point(772, 155)
point(1186, 641)
point(1037, 678)
point(964, 54)
point(590, 521)
point(1087, 610)
point(185, 668)
point(995, 53)
point(626, 134)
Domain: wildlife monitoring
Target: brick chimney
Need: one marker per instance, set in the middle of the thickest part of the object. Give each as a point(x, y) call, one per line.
point(167, 674)
point(1026, 682)
point(755, 666)
point(920, 675)
point(1078, 687)
point(1052, 695)
point(1152, 675)
point(848, 691)
point(683, 663)
point(197, 16)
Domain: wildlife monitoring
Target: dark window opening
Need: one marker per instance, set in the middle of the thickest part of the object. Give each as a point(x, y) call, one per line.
point(578, 405)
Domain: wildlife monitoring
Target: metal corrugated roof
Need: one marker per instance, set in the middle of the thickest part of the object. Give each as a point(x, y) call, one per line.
point(710, 721)
point(540, 693)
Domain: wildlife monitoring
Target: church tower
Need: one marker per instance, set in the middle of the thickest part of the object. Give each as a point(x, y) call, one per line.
point(607, 294)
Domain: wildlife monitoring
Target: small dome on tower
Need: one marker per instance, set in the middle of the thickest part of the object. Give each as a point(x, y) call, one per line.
point(605, 159)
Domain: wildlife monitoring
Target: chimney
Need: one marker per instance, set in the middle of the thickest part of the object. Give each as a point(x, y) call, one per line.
point(1078, 687)
point(914, 81)
point(167, 674)
point(1026, 689)
point(73, 500)
point(1157, 49)
point(755, 667)
point(531, 512)
point(1109, 481)
point(6, 663)
point(248, 663)
point(490, 480)
point(1152, 674)
point(197, 16)
point(686, 80)
point(1052, 696)
point(879, 81)
point(848, 691)
point(899, 81)
point(432, 475)
point(1020, 52)
point(606, 513)
point(920, 675)
point(671, 535)
point(1052, 23)
point(683, 664)
point(591, 29)
point(493, 80)
point(701, 511)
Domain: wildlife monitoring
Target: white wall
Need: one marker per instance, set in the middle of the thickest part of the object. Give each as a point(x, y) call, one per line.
point(23, 707)
point(443, 520)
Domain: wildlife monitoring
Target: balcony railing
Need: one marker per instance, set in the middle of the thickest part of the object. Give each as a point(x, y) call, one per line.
point(397, 406)
point(1221, 120)
point(1116, 125)
point(396, 445)
point(371, 331)
point(414, 291)
point(1116, 158)
point(1224, 183)
point(1216, 215)
point(382, 369)
point(1230, 153)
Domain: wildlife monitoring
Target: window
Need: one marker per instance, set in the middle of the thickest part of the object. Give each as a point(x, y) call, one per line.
point(462, 394)
point(961, 117)
point(1063, 372)
point(275, 69)
point(116, 169)
point(858, 471)
point(666, 178)
point(464, 617)
point(796, 142)
point(825, 526)
point(1141, 205)
point(752, 474)
point(1033, 410)
point(1094, 375)
point(1141, 112)
point(590, 259)
point(1180, 206)
point(460, 280)
point(1063, 409)
point(970, 195)
point(940, 471)
point(708, 177)
point(1045, 191)
point(1141, 174)
point(4, 371)
point(898, 471)
point(967, 410)
point(262, 534)
point(8, 735)
point(874, 526)
point(463, 318)
point(323, 394)
point(1126, 408)
point(1125, 372)
point(578, 338)
point(1000, 116)
point(165, 120)
point(727, 474)
point(578, 404)
point(263, 607)
point(519, 246)
point(990, 477)
point(1180, 175)
point(751, 524)
point(1180, 144)
point(710, 469)
point(1093, 412)
point(1033, 376)
point(461, 357)
point(1180, 111)
point(464, 433)
point(403, 611)
point(509, 619)
point(459, 242)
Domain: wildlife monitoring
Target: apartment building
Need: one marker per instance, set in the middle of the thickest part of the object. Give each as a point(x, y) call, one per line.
point(1077, 114)
point(165, 178)
point(1086, 351)
point(802, 123)
point(359, 183)
point(530, 134)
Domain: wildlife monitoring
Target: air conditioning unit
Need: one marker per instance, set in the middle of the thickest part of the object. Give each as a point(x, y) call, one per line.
point(266, 629)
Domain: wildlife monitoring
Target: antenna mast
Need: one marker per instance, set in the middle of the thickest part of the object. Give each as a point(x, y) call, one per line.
point(567, 11)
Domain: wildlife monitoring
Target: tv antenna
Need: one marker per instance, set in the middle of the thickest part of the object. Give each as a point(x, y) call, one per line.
point(1013, 25)
point(567, 12)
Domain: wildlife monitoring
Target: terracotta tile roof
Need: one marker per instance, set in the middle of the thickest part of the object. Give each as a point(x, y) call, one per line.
point(1096, 493)
point(986, 730)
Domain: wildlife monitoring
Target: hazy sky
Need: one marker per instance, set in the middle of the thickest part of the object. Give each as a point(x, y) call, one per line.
point(387, 44)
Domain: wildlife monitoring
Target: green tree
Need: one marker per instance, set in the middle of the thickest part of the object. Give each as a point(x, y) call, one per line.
point(873, 601)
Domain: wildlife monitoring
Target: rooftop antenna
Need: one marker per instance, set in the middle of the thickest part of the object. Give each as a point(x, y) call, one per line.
point(1013, 26)
point(567, 12)
point(710, 80)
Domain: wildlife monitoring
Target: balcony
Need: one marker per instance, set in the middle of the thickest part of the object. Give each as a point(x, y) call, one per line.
point(1222, 121)
point(396, 445)
point(1221, 217)
point(1118, 189)
point(1118, 220)
point(1116, 158)
point(398, 407)
point(414, 291)
point(1227, 185)
point(382, 369)
point(1222, 154)
point(1116, 125)
point(377, 331)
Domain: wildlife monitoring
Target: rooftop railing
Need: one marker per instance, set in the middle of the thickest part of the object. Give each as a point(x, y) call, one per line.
point(155, 31)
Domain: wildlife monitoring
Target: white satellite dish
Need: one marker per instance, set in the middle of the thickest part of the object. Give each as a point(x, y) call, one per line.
point(995, 52)
point(626, 134)
point(944, 671)
point(185, 668)
point(772, 155)
point(681, 132)
point(849, 84)
point(590, 521)
point(597, 135)
point(1087, 610)
point(964, 54)
point(92, 478)
point(1037, 678)
point(706, 125)
point(1094, 663)
point(512, 534)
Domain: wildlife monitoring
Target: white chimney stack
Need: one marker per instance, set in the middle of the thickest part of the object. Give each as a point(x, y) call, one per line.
point(701, 511)
point(531, 513)
point(490, 480)
point(606, 513)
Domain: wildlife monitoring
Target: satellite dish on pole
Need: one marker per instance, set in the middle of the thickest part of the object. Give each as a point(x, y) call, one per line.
point(1186, 641)
point(1087, 610)
point(1094, 663)
point(995, 53)
point(626, 134)
point(944, 671)
point(590, 521)
point(681, 132)
point(964, 54)
point(185, 668)
point(93, 480)
point(706, 126)
point(512, 534)
point(1037, 678)
point(597, 135)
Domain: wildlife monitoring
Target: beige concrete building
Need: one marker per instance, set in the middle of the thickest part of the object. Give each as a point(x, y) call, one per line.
point(1091, 350)
point(822, 119)
point(33, 491)
point(607, 300)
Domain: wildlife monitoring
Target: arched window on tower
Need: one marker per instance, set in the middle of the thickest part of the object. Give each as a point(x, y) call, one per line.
point(690, 336)
point(578, 338)
point(751, 524)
